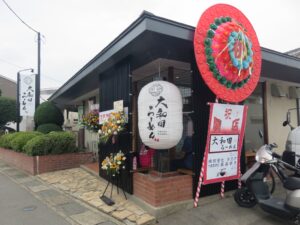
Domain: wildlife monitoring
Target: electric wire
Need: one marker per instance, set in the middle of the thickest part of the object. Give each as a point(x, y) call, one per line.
point(12, 64)
point(26, 24)
point(21, 67)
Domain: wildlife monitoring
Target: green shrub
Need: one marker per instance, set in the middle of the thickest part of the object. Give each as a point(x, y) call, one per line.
point(6, 140)
point(48, 127)
point(47, 112)
point(39, 145)
point(8, 110)
point(62, 142)
point(20, 141)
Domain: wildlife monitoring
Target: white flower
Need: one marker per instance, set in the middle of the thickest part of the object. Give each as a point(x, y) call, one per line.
point(118, 122)
point(115, 132)
point(109, 131)
point(99, 131)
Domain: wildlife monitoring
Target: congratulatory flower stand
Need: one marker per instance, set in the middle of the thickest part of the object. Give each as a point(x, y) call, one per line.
point(113, 165)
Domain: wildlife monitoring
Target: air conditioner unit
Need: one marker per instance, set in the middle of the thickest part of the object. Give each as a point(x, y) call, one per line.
point(294, 92)
point(277, 91)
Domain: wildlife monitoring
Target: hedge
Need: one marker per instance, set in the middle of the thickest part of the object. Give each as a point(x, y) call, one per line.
point(20, 141)
point(36, 143)
point(63, 142)
point(40, 145)
point(48, 127)
point(5, 140)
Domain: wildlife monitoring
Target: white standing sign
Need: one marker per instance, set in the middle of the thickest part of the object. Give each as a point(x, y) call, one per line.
point(224, 142)
point(27, 94)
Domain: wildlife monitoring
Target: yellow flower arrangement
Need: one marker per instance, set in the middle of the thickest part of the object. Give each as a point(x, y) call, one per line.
point(113, 126)
point(114, 163)
point(91, 120)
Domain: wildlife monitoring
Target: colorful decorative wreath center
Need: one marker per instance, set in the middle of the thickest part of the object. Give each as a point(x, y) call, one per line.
point(227, 52)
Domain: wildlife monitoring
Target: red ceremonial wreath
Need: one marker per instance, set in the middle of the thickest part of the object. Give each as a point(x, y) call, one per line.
point(227, 52)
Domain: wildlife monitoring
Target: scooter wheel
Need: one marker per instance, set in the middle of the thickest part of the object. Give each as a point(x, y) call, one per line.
point(245, 198)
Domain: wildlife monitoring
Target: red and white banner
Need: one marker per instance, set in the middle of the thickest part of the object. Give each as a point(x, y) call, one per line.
point(224, 142)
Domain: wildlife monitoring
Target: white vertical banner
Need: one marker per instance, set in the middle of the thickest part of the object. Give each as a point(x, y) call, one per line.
point(27, 94)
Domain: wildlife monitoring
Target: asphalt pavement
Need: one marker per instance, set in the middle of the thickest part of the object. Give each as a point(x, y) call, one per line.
point(225, 211)
point(19, 207)
point(26, 200)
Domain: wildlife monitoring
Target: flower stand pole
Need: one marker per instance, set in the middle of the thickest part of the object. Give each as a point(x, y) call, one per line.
point(110, 201)
point(114, 177)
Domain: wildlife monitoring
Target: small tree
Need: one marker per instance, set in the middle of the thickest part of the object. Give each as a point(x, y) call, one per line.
point(47, 112)
point(8, 111)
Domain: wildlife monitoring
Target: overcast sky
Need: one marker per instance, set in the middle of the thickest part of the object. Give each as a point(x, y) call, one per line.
point(76, 30)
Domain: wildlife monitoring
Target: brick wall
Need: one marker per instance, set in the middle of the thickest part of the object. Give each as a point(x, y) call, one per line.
point(160, 191)
point(43, 164)
point(18, 160)
point(50, 163)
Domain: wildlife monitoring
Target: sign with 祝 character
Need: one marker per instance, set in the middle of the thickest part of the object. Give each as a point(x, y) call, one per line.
point(27, 94)
point(224, 142)
point(160, 115)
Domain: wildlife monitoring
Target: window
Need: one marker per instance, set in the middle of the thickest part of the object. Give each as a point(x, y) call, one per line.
point(255, 120)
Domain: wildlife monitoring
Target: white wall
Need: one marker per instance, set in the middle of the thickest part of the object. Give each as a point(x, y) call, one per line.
point(27, 123)
point(277, 108)
point(91, 138)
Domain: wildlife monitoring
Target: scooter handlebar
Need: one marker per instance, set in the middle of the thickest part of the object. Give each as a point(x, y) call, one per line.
point(273, 145)
point(274, 154)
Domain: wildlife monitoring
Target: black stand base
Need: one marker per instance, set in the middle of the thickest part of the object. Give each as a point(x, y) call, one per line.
point(107, 200)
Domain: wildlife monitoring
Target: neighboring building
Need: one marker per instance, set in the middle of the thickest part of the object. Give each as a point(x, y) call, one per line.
point(8, 87)
point(294, 52)
point(153, 47)
point(46, 93)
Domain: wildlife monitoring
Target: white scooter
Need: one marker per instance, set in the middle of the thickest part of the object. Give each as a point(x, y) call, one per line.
point(291, 155)
point(256, 191)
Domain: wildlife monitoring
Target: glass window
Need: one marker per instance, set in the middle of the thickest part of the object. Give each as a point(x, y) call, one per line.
point(255, 120)
point(182, 79)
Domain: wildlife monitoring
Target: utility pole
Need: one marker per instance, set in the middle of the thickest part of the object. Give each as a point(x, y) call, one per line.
point(18, 101)
point(38, 76)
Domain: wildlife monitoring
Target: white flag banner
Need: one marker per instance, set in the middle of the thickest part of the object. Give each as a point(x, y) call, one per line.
point(27, 94)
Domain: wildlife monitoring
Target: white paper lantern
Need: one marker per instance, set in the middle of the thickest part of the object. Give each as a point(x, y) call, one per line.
point(160, 115)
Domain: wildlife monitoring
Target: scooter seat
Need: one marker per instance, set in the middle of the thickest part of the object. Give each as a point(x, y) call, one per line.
point(292, 183)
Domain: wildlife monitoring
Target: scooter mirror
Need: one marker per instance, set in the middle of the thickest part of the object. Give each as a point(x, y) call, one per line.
point(288, 117)
point(285, 123)
point(260, 134)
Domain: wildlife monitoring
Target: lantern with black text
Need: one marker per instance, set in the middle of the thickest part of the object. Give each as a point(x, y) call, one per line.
point(160, 115)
